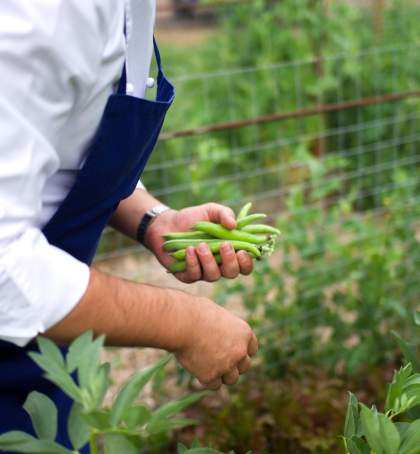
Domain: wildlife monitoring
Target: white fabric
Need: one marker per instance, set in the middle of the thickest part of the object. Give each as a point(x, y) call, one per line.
point(59, 61)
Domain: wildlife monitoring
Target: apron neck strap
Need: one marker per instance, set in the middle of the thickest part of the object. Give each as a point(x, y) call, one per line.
point(122, 86)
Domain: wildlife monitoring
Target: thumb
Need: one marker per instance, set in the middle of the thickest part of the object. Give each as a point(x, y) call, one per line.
point(221, 214)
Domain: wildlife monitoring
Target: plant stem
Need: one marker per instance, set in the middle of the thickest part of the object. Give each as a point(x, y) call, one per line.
point(92, 443)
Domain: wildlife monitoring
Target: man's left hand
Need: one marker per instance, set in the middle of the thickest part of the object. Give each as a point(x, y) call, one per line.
point(201, 264)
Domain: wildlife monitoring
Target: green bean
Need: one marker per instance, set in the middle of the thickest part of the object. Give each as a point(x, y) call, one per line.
point(178, 267)
point(174, 245)
point(244, 211)
point(187, 235)
point(215, 247)
point(221, 232)
point(261, 228)
point(249, 219)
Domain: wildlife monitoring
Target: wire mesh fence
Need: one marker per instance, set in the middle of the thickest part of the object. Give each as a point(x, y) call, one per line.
point(257, 127)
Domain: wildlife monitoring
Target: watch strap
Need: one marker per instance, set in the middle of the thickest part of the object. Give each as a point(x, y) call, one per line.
point(146, 219)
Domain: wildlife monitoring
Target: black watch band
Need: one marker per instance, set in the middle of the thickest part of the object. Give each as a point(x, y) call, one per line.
point(146, 219)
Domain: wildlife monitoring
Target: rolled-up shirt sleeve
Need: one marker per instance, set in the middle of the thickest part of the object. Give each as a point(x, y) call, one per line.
point(39, 283)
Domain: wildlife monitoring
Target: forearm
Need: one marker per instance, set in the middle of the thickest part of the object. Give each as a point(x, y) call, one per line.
point(129, 314)
point(130, 211)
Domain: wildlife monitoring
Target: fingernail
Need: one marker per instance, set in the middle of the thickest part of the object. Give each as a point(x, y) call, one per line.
point(190, 251)
point(202, 248)
point(226, 247)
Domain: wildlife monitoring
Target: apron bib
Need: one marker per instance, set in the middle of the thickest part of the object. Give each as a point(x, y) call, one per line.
point(116, 157)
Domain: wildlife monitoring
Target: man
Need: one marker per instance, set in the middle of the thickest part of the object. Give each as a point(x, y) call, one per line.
point(74, 136)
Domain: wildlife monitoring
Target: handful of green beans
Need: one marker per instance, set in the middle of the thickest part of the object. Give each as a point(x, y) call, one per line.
point(256, 239)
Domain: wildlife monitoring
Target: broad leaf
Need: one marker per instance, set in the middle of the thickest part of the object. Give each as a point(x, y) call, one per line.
point(50, 350)
point(389, 434)
point(120, 443)
point(166, 425)
point(352, 417)
point(100, 383)
point(43, 413)
point(89, 363)
point(137, 416)
point(77, 349)
point(99, 419)
point(411, 439)
point(371, 429)
point(181, 448)
point(57, 375)
point(356, 445)
point(77, 428)
point(132, 388)
point(409, 351)
point(175, 406)
point(25, 443)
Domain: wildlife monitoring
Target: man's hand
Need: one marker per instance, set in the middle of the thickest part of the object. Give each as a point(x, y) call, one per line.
point(218, 346)
point(200, 261)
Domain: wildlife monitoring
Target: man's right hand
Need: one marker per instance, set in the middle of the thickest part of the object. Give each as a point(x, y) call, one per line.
point(218, 345)
point(210, 342)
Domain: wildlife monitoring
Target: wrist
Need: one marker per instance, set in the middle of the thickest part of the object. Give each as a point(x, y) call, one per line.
point(156, 227)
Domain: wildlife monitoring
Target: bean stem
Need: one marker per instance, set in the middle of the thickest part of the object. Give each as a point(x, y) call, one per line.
point(261, 228)
point(244, 211)
point(249, 219)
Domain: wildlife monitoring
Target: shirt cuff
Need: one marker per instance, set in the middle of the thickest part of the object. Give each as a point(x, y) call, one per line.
point(140, 185)
point(39, 285)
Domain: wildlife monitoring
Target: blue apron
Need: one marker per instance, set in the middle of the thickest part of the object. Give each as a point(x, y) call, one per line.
point(116, 157)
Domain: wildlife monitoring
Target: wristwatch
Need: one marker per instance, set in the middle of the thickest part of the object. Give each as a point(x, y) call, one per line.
point(147, 218)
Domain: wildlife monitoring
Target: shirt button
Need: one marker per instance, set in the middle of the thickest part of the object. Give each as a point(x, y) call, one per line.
point(129, 89)
point(150, 82)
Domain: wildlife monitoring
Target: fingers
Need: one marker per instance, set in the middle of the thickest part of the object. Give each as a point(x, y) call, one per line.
point(193, 272)
point(221, 215)
point(253, 346)
point(213, 385)
point(245, 262)
point(230, 265)
point(244, 365)
point(210, 269)
point(231, 377)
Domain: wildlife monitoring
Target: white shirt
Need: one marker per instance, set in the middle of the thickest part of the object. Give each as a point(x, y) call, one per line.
point(59, 60)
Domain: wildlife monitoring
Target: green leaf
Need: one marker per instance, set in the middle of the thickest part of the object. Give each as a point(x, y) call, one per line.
point(356, 445)
point(411, 439)
point(176, 406)
point(50, 350)
point(120, 443)
point(89, 363)
point(389, 435)
point(43, 413)
point(100, 383)
point(25, 443)
point(57, 375)
point(136, 416)
point(409, 351)
point(99, 419)
point(77, 428)
point(166, 425)
point(371, 429)
point(352, 417)
point(417, 318)
point(132, 388)
point(77, 349)
point(181, 448)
